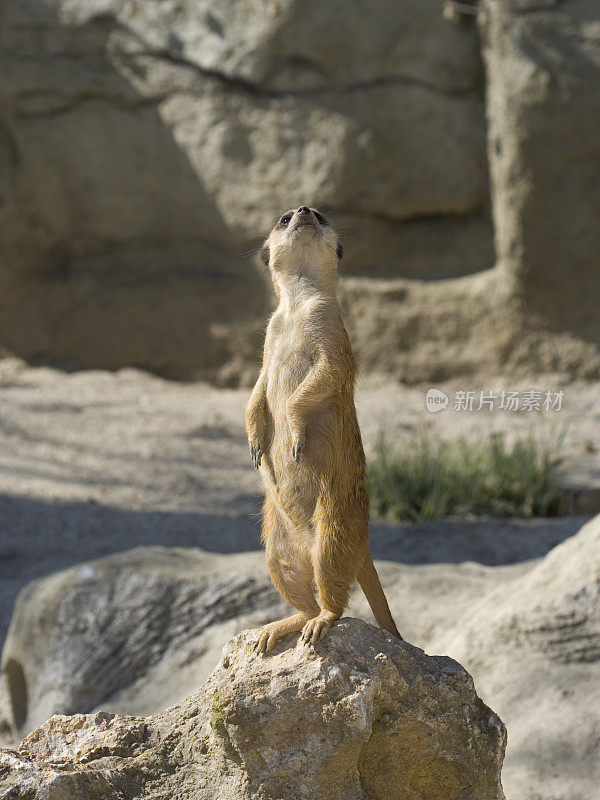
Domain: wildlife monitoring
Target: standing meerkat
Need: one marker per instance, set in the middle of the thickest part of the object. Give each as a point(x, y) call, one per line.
point(304, 437)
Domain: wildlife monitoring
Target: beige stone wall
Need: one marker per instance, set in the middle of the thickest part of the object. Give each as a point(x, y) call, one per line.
point(145, 148)
point(543, 67)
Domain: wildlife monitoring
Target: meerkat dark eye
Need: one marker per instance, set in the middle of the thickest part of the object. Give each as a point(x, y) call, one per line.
point(320, 218)
point(285, 219)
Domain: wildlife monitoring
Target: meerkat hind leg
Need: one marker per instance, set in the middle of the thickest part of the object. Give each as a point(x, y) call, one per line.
point(334, 572)
point(294, 584)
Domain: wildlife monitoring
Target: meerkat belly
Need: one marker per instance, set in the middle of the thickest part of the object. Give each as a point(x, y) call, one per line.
point(296, 483)
point(288, 367)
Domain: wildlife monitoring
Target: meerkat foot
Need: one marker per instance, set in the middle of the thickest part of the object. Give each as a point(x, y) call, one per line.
point(270, 634)
point(318, 626)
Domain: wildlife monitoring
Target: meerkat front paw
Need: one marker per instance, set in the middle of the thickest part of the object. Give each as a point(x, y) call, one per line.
point(256, 452)
point(270, 634)
point(297, 432)
point(298, 446)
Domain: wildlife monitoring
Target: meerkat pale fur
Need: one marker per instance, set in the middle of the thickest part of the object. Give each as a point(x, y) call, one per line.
point(304, 437)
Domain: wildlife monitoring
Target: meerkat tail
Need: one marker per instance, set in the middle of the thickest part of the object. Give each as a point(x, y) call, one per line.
point(371, 586)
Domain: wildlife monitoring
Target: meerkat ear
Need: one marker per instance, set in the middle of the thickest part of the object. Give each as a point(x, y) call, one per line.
point(340, 251)
point(265, 254)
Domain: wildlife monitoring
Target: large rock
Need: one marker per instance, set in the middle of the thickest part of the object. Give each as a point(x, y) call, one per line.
point(435, 331)
point(475, 327)
point(133, 632)
point(136, 632)
point(543, 105)
point(362, 715)
point(533, 646)
point(146, 147)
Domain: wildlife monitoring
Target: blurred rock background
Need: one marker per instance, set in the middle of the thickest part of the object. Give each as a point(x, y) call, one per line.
point(146, 147)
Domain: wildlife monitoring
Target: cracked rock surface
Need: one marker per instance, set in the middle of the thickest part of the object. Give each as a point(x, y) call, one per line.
point(362, 715)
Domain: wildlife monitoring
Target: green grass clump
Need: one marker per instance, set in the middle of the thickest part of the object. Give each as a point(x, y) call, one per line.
point(460, 477)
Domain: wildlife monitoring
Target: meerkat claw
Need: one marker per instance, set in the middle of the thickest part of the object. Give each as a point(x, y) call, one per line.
point(297, 449)
point(267, 639)
point(256, 455)
point(317, 627)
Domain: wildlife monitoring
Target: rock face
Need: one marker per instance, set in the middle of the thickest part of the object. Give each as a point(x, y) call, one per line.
point(534, 647)
point(146, 147)
point(113, 632)
point(362, 715)
point(536, 311)
point(543, 66)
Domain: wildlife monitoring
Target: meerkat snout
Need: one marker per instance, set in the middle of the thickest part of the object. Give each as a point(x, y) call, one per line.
point(300, 233)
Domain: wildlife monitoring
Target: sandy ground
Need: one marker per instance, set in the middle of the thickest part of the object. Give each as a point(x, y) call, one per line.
point(94, 462)
point(132, 440)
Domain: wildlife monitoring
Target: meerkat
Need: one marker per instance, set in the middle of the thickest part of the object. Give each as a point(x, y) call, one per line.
point(304, 438)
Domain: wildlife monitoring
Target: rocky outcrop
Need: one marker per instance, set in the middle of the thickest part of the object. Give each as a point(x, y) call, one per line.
point(360, 715)
point(534, 647)
point(137, 632)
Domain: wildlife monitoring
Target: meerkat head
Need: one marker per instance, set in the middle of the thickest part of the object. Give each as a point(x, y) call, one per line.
point(303, 242)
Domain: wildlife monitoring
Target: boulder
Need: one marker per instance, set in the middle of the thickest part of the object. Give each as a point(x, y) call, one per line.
point(434, 330)
point(533, 646)
point(362, 715)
